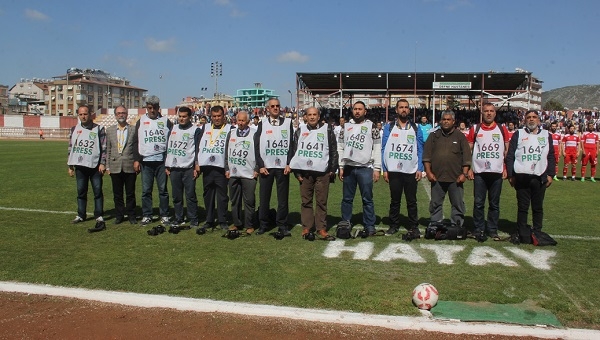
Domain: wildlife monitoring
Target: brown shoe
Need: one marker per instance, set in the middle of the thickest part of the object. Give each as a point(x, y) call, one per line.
point(249, 231)
point(325, 236)
point(305, 232)
point(233, 228)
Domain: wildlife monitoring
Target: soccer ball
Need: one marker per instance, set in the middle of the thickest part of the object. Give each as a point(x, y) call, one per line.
point(425, 296)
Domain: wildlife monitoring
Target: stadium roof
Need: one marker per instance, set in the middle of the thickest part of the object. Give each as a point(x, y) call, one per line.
point(407, 83)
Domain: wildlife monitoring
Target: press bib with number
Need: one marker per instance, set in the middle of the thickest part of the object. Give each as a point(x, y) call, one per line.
point(85, 147)
point(241, 158)
point(488, 150)
point(212, 146)
point(358, 142)
point(181, 148)
point(312, 153)
point(152, 136)
point(531, 156)
point(275, 144)
point(400, 151)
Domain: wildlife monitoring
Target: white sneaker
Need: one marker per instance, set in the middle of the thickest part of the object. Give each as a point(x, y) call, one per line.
point(77, 220)
point(146, 220)
point(165, 219)
point(100, 219)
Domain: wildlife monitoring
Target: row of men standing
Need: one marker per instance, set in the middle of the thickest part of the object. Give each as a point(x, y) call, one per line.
point(238, 157)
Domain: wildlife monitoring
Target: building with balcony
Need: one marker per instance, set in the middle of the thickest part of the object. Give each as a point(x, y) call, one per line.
point(96, 88)
point(254, 97)
point(3, 99)
point(28, 96)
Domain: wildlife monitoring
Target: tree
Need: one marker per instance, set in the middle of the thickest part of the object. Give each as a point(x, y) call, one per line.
point(553, 105)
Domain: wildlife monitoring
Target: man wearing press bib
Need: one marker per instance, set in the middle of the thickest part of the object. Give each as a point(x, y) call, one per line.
point(211, 158)
point(149, 152)
point(488, 142)
point(182, 168)
point(359, 147)
point(272, 143)
point(402, 166)
point(87, 159)
point(530, 168)
point(241, 170)
point(314, 163)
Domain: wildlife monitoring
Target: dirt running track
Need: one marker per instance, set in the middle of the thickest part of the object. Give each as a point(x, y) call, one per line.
point(24, 316)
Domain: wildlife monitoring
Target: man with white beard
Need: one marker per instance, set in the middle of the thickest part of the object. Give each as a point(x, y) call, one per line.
point(530, 168)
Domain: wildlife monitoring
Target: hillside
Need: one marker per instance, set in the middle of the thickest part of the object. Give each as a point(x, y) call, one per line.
point(574, 97)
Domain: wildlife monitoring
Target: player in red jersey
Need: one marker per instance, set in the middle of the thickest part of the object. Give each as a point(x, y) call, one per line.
point(511, 130)
point(589, 145)
point(462, 126)
point(556, 140)
point(571, 148)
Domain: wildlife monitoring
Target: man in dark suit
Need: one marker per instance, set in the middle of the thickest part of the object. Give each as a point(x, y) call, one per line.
point(119, 141)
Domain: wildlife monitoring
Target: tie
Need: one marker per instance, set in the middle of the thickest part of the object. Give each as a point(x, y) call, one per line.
point(275, 122)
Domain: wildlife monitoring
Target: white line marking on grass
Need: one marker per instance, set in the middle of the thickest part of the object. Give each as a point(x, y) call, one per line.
point(423, 323)
point(39, 210)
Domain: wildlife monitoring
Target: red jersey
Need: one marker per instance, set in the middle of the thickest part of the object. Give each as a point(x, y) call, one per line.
point(571, 142)
point(556, 138)
point(590, 140)
point(510, 133)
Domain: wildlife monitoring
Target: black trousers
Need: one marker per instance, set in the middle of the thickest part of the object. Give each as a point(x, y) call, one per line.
point(119, 181)
point(401, 182)
point(215, 189)
point(266, 186)
point(530, 192)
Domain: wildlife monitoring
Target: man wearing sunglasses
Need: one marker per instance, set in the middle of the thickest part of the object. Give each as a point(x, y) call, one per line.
point(272, 144)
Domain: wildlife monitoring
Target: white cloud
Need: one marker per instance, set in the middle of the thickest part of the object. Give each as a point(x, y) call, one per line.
point(160, 45)
point(36, 15)
point(236, 13)
point(292, 57)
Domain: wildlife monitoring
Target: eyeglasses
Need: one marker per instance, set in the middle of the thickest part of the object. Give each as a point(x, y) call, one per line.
point(273, 106)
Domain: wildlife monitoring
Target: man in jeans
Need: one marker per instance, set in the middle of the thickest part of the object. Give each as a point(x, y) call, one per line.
point(87, 159)
point(489, 143)
point(149, 152)
point(359, 147)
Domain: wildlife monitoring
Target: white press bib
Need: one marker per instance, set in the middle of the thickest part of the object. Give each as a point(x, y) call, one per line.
point(488, 150)
point(181, 147)
point(400, 153)
point(531, 156)
point(85, 147)
point(152, 136)
point(241, 158)
point(312, 152)
point(212, 146)
point(358, 142)
point(275, 144)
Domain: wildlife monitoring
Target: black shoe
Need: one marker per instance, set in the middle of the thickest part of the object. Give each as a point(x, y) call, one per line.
point(132, 220)
point(479, 235)
point(118, 220)
point(285, 232)
point(261, 231)
point(391, 231)
point(100, 225)
point(201, 231)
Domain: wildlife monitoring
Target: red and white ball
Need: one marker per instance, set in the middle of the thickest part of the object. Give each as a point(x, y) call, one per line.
point(425, 296)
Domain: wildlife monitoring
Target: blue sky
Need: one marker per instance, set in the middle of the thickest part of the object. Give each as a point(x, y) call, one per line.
point(269, 41)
